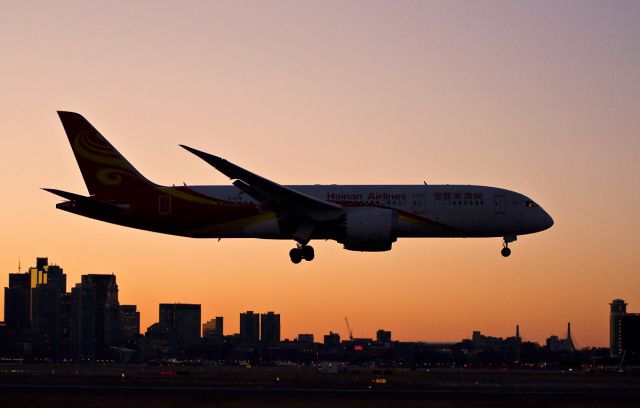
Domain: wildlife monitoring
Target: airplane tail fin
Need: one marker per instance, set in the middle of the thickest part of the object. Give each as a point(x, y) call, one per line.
point(106, 172)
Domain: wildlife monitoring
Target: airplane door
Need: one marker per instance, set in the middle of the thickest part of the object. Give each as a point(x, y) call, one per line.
point(500, 204)
point(418, 203)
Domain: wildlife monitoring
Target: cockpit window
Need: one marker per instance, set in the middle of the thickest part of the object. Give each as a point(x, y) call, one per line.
point(530, 204)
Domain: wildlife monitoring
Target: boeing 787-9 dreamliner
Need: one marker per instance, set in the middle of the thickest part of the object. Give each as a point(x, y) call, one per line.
point(360, 217)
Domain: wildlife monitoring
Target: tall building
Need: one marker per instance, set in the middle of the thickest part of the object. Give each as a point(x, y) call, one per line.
point(95, 316)
point(83, 323)
point(17, 302)
point(629, 334)
point(183, 320)
point(43, 274)
point(48, 286)
point(249, 327)
point(33, 306)
point(305, 338)
point(63, 328)
point(130, 321)
point(270, 328)
point(45, 304)
point(214, 328)
point(618, 309)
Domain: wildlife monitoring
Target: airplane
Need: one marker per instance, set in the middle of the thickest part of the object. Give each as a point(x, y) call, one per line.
point(366, 218)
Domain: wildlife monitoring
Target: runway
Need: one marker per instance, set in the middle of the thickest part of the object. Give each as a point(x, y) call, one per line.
point(98, 386)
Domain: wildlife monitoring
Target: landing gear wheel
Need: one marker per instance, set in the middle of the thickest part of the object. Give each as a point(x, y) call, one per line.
point(296, 255)
point(307, 253)
point(505, 244)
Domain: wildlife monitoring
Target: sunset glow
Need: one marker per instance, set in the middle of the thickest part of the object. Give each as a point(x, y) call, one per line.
point(538, 97)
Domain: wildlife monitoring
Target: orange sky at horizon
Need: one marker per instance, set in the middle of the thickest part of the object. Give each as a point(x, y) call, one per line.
point(539, 97)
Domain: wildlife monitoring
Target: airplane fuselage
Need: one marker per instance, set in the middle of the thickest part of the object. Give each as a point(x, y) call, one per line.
point(423, 211)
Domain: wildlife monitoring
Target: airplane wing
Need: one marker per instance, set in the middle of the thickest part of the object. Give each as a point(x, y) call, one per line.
point(280, 198)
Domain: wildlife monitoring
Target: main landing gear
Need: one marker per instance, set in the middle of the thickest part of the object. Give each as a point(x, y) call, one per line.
point(301, 252)
point(505, 245)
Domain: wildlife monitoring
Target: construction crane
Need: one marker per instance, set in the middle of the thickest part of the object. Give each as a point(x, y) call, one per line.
point(349, 328)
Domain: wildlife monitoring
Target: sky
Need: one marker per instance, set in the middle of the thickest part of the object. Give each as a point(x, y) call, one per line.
point(541, 97)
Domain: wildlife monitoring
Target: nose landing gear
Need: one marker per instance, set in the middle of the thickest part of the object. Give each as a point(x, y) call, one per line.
point(301, 252)
point(505, 245)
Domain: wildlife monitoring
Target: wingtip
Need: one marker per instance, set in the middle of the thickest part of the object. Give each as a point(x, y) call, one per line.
point(197, 152)
point(67, 113)
point(54, 191)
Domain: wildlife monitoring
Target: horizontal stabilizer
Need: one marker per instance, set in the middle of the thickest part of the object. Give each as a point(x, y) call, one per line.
point(86, 200)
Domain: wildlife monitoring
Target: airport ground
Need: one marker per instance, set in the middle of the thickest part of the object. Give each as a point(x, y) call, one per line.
point(97, 386)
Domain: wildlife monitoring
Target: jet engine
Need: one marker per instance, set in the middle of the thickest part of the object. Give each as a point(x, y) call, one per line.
point(369, 229)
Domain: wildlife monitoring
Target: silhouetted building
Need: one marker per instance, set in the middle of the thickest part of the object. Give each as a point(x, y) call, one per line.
point(332, 339)
point(17, 302)
point(383, 336)
point(183, 320)
point(33, 301)
point(45, 305)
point(479, 340)
point(557, 345)
point(95, 316)
point(130, 321)
point(45, 274)
point(305, 338)
point(63, 328)
point(249, 327)
point(270, 328)
point(157, 342)
point(83, 322)
point(629, 325)
point(214, 328)
point(618, 309)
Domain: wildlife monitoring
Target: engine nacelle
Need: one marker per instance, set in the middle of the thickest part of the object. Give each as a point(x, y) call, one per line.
point(370, 229)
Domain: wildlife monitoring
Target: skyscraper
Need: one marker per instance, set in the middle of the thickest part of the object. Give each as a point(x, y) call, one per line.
point(83, 322)
point(270, 328)
point(48, 287)
point(17, 302)
point(618, 309)
point(130, 321)
point(183, 320)
point(95, 316)
point(249, 327)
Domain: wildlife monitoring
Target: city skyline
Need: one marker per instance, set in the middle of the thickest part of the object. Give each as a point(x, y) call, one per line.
point(253, 327)
point(44, 322)
point(537, 96)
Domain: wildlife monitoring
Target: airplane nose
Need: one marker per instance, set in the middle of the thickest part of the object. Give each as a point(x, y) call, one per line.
point(547, 221)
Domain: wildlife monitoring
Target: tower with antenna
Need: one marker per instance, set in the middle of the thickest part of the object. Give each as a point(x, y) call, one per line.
point(569, 338)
